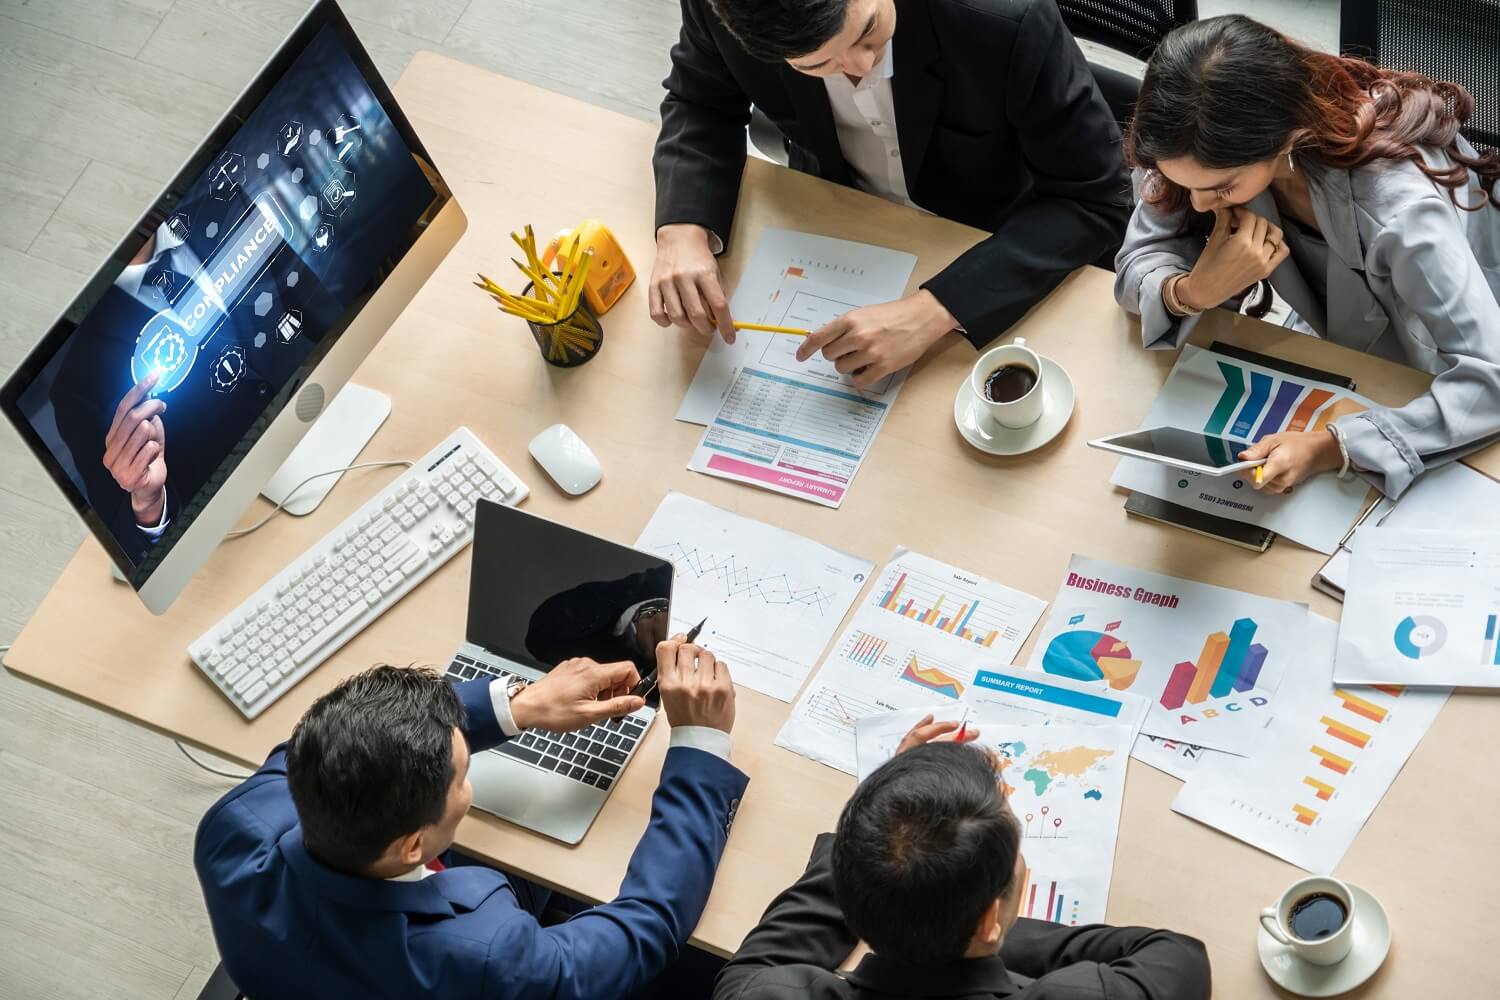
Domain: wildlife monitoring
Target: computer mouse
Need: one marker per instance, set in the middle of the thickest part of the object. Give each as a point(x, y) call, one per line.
point(563, 455)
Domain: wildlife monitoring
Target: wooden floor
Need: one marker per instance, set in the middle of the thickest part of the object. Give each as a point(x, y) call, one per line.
point(100, 102)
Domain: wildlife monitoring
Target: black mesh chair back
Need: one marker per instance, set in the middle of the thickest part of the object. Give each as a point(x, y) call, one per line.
point(1456, 40)
point(1134, 27)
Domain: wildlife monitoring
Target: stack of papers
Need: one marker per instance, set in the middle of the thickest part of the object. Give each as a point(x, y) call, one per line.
point(795, 427)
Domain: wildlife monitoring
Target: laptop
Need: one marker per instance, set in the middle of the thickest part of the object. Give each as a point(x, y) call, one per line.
point(541, 593)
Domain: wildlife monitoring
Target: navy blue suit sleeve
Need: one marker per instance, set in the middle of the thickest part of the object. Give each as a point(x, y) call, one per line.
point(481, 728)
point(616, 948)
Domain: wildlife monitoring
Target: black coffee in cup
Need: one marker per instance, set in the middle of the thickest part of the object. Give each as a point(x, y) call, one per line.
point(1316, 916)
point(1009, 383)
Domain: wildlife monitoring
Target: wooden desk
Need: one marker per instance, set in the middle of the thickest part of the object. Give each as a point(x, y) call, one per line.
point(453, 359)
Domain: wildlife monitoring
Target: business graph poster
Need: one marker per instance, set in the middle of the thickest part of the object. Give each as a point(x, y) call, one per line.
point(1208, 659)
point(1234, 399)
point(1320, 768)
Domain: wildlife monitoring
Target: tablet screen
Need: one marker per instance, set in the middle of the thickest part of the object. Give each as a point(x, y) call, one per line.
point(1183, 446)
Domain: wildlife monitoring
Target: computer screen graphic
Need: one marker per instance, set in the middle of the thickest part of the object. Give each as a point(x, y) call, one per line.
point(241, 284)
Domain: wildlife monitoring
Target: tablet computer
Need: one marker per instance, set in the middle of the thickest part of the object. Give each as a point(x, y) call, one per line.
point(1182, 449)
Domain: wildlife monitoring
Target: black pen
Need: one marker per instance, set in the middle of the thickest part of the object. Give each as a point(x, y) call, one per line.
point(649, 681)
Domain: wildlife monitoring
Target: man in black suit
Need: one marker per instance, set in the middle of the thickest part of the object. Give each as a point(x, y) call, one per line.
point(982, 111)
point(926, 869)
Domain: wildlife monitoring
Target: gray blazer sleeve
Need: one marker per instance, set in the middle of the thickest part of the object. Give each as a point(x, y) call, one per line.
point(1423, 253)
point(1154, 250)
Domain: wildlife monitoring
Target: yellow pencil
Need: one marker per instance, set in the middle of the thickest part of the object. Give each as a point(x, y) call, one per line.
point(1259, 471)
point(790, 331)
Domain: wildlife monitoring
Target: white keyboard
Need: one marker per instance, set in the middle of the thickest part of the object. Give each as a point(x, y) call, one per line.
point(353, 574)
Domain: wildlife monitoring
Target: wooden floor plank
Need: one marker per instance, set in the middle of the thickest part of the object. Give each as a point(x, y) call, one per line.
point(121, 26)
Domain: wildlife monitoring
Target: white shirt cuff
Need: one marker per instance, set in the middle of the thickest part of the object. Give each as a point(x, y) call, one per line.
point(500, 699)
point(705, 738)
point(156, 532)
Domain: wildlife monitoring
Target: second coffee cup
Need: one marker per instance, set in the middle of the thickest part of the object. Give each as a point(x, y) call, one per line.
point(1008, 381)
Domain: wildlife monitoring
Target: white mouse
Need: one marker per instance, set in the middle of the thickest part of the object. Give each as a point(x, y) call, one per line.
point(564, 457)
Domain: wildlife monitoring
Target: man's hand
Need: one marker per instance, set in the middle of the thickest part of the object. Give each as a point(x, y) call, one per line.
point(1292, 457)
point(685, 287)
point(696, 689)
point(1243, 249)
point(873, 341)
point(576, 693)
point(927, 731)
point(135, 451)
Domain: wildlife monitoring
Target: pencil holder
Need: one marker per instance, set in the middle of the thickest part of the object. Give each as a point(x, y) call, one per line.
point(570, 341)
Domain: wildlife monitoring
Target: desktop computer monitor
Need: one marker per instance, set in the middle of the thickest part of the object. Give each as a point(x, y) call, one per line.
point(200, 352)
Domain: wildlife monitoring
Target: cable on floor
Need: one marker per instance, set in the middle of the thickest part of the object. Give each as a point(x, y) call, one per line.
point(211, 770)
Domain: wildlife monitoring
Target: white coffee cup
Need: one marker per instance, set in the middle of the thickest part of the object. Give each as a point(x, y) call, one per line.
point(1330, 950)
point(1017, 413)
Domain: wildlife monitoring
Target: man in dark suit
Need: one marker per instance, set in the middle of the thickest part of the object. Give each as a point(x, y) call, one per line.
point(982, 111)
point(328, 873)
point(926, 869)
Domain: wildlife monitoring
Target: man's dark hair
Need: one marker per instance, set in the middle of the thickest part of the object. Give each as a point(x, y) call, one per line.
point(924, 846)
point(372, 760)
point(773, 30)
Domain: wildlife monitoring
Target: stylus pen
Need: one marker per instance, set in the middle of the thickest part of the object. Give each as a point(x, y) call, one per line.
point(649, 681)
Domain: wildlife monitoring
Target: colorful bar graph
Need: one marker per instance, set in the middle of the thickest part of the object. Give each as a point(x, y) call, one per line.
point(1342, 731)
point(1324, 790)
point(1056, 916)
point(1175, 693)
point(1304, 413)
point(1214, 648)
point(1305, 816)
point(1360, 706)
point(1234, 391)
point(867, 649)
point(1492, 641)
point(1240, 634)
point(1260, 394)
point(1394, 690)
point(889, 600)
point(1332, 761)
point(1255, 658)
point(1286, 395)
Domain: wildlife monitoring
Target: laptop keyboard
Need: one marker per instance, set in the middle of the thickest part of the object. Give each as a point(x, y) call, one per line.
point(593, 755)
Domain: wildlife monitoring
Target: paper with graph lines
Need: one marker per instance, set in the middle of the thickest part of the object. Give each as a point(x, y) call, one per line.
point(927, 635)
point(772, 599)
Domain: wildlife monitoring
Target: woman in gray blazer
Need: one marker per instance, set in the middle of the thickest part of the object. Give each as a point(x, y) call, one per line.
point(1347, 189)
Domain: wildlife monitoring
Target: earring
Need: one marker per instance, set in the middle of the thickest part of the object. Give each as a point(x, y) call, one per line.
point(1290, 163)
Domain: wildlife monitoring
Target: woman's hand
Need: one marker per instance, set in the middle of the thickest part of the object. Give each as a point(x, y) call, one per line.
point(1243, 249)
point(1292, 457)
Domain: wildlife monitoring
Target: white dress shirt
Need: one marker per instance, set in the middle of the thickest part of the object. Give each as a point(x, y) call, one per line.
point(865, 118)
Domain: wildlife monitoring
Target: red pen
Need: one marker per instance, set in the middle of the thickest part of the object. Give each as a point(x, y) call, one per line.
point(963, 727)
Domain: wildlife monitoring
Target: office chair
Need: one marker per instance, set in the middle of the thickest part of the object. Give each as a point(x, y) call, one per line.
point(1133, 27)
point(1456, 40)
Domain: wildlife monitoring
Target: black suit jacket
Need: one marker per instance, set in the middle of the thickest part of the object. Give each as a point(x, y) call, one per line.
point(802, 937)
point(1000, 123)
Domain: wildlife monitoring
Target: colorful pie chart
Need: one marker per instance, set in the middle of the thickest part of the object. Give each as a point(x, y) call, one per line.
point(1086, 655)
point(1420, 635)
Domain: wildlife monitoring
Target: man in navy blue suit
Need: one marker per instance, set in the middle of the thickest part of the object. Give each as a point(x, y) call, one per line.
point(328, 874)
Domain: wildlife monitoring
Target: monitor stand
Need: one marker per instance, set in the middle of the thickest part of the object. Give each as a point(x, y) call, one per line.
point(333, 442)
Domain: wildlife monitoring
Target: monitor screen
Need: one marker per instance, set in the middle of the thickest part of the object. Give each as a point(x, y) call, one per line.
point(541, 593)
point(162, 376)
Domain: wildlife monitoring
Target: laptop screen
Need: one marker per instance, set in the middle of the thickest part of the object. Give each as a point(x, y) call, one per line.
point(541, 593)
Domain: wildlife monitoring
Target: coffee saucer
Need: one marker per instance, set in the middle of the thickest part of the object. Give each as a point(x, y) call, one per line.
point(986, 435)
point(1372, 942)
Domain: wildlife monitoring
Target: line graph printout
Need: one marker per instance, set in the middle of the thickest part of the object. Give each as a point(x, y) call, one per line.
point(800, 280)
point(1227, 397)
point(772, 599)
point(887, 661)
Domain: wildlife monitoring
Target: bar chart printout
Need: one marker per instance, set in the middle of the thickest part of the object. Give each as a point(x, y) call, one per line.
point(907, 659)
point(1320, 767)
point(1209, 659)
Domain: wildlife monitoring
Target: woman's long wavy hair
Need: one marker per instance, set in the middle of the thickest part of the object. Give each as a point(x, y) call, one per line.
point(1230, 91)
